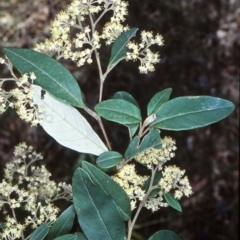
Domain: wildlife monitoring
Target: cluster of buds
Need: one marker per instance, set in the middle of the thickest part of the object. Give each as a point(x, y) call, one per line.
point(172, 179)
point(81, 18)
point(29, 188)
point(21, 97)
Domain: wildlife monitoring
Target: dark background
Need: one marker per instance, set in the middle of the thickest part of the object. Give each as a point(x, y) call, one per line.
point(200, 57)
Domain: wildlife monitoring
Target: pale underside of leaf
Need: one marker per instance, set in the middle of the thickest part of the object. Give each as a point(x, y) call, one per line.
point(67, 126)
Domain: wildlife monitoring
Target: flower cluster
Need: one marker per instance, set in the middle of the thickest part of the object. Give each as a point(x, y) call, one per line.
point(143, 53)
point(4, 95)
point(152, 157)
point(21, 97)
point(172, 178)
point(171, 181)
point(28, 187)
point(83, 16)
point(23, 100)
point(131, 182)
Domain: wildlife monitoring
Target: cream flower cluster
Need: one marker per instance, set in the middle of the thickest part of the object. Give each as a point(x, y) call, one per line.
point(74, 35)
point(131, 182)
point(30, 188)
point(142, 52)
point(156, 202)
point(172, 179)
point(83, 15)
point(4, 95)
point(152, 157)
point(23, 101)
point(22, 97)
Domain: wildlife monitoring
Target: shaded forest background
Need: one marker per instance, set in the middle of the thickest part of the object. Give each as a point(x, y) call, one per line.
point(200, 57)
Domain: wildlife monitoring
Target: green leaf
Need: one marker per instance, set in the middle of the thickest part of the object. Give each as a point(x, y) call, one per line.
point(129, 98)
point(112, 189)
point(109, 159)
point(156, 179)
point(52, 76)
point(66, 237)
point(41, 232)
point(97, 213)
point(151, 140)
point(157, 101)
point(119, 48)
point(132, 128)
point(80, 236)
point(118, 110)
point(75, 236)
point(63, 224)
point(165, 235)
point(172, 201)
point(185, 113)
point(1, 226)
point(126, 96)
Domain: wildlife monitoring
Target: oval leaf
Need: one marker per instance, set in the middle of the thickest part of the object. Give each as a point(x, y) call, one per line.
point(63, 224)
point(157, 100)
point(80, 236)
point(129, 98)
point(66, 237)
point(109, 159)
point(125, 96)
point(97, 213)
point(132, 128)
point(41, 232)
point(172, 201)
point(185, 113)
point(165, 235)
point(67, 126)
point(111, 188)
point(52, 76)
point(119, 48)
point(1, 226)
point(151, 140)
point(118, 110)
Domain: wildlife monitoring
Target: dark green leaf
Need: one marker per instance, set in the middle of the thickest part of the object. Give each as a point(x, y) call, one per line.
point(129, 98)
point(97, 213)
point(109, 159)
point(157, 100)
point(80, 236)
point(125, 96)
point(118, 110)
point(165, 235)
point(66, 237)
point(63, 224)
point(132, 128)
point(1, 226)
point(185, 113)
point(151, 140)
point(52, 76)
point(156, 179)
point(119, 48)
point(41, 232)
point(111, 188)
point(172, 201)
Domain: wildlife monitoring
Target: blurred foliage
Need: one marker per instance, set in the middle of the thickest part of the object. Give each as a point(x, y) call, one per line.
point(200, 57)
